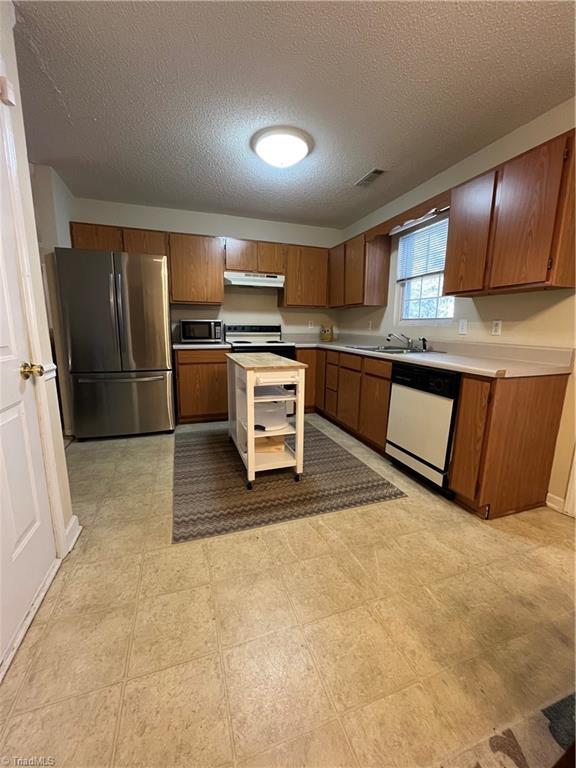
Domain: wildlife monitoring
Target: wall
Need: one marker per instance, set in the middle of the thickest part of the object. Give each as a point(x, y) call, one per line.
point(544, 127)
point(196, 222)
point(51, 429)
point(540, 318)
point(256, 305)
point(53, 208)
point(536, 319)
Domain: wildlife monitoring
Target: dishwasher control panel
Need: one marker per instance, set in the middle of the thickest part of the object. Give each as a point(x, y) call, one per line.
point(437, 382)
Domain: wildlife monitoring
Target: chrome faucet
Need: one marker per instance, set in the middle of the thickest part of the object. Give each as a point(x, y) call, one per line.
point(415, 345)
point(401, 337)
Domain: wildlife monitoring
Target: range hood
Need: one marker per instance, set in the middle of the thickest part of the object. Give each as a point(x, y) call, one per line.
point(254, 279)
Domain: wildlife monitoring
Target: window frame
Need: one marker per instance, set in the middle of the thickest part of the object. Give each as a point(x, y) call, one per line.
point(401, 283)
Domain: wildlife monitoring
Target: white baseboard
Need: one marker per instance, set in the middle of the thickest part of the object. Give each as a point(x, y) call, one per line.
point(73, 530)
point(6, 660)
point(555, 502)
point(558, 503)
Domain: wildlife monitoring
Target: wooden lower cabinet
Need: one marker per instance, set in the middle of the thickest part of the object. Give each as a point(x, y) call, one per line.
point(320, 378)
point(469, 435)
point(202, 384)
point(332, 376)
point(331, 403)
point(308, 356)
point(357, 394)
point(374, 402)
point(349, 383)
point(504, 442)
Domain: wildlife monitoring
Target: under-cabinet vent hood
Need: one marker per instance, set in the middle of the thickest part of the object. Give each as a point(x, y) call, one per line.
point(254, 279)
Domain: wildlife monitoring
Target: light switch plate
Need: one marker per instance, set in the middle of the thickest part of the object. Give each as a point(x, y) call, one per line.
point(496, 329)
point(463, 327)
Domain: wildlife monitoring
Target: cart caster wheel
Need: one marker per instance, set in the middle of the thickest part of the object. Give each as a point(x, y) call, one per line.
point(249, 485)
point(296, 478)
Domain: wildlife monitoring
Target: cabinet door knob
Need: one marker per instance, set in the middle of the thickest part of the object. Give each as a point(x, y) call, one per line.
point(31, 369)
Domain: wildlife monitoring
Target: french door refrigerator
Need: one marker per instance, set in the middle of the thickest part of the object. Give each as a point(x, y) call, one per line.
point(115, 329)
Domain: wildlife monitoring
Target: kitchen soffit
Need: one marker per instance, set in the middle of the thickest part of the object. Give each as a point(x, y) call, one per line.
point(155, 103)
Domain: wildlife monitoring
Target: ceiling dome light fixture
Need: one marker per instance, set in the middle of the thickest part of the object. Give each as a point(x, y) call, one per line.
point(283, 146)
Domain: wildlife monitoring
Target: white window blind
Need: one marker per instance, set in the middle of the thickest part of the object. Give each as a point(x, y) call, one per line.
point(423, 251)
point(421, 257)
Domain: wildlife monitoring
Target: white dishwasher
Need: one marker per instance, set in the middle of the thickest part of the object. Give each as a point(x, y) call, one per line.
point(421, 419)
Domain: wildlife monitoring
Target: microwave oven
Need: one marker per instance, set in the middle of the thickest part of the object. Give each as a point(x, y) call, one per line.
point(200, 331)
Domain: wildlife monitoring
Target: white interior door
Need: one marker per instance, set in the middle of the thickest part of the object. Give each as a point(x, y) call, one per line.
point(27, 548)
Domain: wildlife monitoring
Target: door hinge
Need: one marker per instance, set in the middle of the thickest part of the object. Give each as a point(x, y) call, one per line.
point(549, 265)
point(566, 153)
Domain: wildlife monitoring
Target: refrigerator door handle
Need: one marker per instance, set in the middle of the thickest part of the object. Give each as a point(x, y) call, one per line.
point(122, 379)
point(120, 304)
point(113, 312)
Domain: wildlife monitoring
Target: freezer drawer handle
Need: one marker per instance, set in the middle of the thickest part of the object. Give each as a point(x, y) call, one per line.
point(121, 379)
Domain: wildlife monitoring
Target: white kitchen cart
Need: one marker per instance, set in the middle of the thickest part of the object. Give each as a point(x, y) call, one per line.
point(261, 377)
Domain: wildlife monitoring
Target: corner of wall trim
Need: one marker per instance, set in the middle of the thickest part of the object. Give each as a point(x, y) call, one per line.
point(73, 530)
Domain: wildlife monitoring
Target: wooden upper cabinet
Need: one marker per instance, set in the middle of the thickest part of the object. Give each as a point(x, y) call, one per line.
point(196, 269)
point(366, 272)
point(272, 258)
point(145, 241)
point(306, 277)
point(468, 234)
point(336, 276)
point(95, 237)
point(354, 271)
point(241, 255)
point(525, 215)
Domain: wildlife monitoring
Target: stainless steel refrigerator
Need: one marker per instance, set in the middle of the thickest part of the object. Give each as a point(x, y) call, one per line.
point(114, 327)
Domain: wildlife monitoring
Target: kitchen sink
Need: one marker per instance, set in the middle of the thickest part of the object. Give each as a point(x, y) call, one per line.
point(388, 350)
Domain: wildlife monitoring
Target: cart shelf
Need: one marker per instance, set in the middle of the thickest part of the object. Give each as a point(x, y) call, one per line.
point(289, 430)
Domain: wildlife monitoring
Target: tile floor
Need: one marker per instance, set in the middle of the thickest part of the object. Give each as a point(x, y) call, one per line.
point(400, 634)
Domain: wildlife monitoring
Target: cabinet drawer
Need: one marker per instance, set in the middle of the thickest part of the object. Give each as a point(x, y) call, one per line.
point(380, 368)
point(192, 356)
point(354, 362)
point(332, 377)
point(333, 357)
point(331, 402)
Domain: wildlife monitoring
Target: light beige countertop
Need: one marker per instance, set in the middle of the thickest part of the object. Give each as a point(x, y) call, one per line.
point(264, 361)
point(491, 367)
point(479, 359)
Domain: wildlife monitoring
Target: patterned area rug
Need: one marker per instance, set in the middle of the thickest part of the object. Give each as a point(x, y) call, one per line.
point(211, 498)
point(538, 741)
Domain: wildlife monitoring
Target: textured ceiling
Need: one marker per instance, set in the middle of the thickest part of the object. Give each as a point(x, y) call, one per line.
point(155, 103)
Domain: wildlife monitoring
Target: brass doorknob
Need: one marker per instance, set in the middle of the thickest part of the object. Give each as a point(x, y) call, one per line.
point(31, 369)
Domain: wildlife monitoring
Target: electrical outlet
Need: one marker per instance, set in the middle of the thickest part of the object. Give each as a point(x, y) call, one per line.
point(310, 323)
point(496, 329)
point(369, 325)
point(463, 327)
